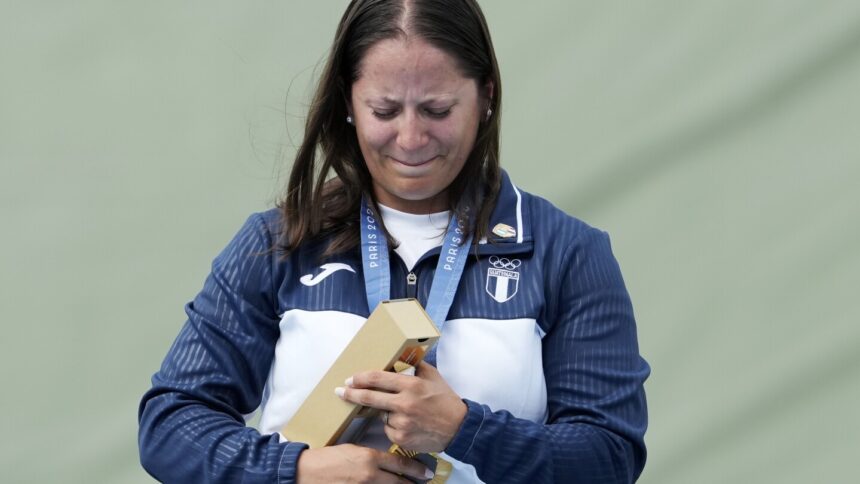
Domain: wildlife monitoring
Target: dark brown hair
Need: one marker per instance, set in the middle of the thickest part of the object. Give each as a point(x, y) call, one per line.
point(318, 204)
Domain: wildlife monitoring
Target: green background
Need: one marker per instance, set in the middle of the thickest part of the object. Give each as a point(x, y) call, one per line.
point(716, 141)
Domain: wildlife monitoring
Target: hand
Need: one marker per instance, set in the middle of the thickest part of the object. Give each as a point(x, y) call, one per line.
point(424, 413)
point(354, 464)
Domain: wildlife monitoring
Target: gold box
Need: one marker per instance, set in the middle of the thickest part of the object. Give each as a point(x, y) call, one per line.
point(395, 328)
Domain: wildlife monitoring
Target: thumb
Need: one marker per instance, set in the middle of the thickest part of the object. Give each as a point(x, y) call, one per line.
point(427, 371)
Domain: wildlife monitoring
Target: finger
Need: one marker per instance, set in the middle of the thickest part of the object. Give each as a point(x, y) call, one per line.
point(426, 370)
point(385, 477)
point(388, 477)
point(398, 421)
point(394, 435)
point(368, 398)
point(399, 464)
point(395, 479)
point(379, 380)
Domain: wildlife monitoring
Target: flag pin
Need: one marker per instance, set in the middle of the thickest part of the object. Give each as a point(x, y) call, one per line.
point(504, 231)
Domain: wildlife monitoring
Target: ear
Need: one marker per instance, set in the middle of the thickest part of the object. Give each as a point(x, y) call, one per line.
point(350, 117)
point(347, 101)
point(489, 90)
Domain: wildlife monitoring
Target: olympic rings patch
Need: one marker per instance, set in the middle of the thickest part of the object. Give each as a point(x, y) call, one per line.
point(503, 263)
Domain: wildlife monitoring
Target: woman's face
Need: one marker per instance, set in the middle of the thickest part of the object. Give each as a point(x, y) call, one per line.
point(416, 118)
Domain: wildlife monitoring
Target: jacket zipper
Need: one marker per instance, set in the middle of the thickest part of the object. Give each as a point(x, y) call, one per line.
point(411, 285)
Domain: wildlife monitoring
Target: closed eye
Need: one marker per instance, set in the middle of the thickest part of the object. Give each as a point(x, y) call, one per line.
point(385, 114)
point(438, 113)
point(391, 113)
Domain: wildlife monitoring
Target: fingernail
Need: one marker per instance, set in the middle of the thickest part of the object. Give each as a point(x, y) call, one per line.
point(428, 474)
point(348, 382)
point(339, 391)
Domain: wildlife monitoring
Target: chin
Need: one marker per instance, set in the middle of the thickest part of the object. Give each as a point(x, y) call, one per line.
point(416, 195)
point(417, 191)
point(412, 194)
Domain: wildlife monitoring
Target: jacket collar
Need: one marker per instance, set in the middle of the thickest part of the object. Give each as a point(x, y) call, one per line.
point(511, 212)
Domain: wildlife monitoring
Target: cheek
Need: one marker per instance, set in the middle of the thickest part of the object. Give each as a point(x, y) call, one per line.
point(373, 139)
point(460, 136)
point(469, 123)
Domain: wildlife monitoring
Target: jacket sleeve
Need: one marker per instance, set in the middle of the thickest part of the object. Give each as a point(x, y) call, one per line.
point(596, 402)
point(191, 424)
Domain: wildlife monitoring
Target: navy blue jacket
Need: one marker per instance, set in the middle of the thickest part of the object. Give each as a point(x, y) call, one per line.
point(566, 280)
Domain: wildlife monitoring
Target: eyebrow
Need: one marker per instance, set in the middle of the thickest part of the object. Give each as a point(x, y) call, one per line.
point(388, 100)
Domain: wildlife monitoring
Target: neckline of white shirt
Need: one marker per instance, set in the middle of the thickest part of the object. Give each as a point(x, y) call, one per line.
point(416, 233)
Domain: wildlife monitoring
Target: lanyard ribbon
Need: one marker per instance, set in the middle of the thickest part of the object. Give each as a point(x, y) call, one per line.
point(449, 269)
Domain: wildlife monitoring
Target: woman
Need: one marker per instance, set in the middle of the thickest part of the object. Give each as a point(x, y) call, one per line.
point(537, 376)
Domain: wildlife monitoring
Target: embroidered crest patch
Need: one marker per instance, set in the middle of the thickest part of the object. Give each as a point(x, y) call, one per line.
point(502, 278)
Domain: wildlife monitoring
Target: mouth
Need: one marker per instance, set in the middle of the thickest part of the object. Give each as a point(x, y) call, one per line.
point(411, 163)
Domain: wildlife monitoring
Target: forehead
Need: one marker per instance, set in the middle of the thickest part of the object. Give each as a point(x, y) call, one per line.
point(395, 65)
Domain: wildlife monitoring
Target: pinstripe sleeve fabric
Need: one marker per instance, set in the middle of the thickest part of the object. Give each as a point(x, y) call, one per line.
point(191, 425)
point(594, 374)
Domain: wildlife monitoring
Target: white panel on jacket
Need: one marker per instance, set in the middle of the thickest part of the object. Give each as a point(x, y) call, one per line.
point(498, 363)
point(310, 341)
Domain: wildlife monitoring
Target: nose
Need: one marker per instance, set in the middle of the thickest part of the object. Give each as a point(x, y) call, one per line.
point(411, 135)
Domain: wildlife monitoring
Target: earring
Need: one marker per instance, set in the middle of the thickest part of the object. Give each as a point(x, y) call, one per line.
point(489, 113)
point(349, 119)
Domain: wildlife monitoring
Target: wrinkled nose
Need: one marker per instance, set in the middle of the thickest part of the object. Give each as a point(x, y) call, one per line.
point(412, 135)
